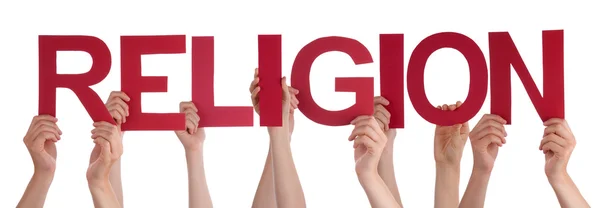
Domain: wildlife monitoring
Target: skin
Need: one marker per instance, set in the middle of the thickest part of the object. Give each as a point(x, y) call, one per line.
point(486, 138)
point(266, 196)
point(449, 143)
point(386, 163)
point(40, 140)
point(107, 151)
point(557, 145)
point(369, 143)
point(192, 140)
point(119, 110)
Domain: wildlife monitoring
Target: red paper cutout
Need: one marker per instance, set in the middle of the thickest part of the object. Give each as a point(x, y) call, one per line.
point(362, 86)
point(391, 73)
point(133, 83)
point(203, 94)
point(478, 78)
point(269, 73)
point(80, 84)
point(504, 53)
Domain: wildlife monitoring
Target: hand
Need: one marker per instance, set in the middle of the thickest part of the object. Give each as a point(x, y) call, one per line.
point(117, 106)
point(383, 116)
point(558, 144)
point(487, 136)
point(40, 140)
point(449, 141)
point(293, 104)
point(108, 149)
point(369, 142)
point(192, 137)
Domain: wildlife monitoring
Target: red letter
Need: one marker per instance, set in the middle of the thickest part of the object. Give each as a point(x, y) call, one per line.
point(133, 83)
point(477, 71)
point(78, 83)
point(391, 69)
point(203, 94)
point(269, 73)
point(363, 86)
point(504, 53)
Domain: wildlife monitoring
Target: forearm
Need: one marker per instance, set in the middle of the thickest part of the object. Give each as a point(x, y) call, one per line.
point(446, 185)
point(474, 196)
point(265, 193)
point(36, 191)
point(378, 193)
point(103, 194)
point(567, 192)
point(199, 195)
point(115, 181)
point(387, 173)
point(288, 190)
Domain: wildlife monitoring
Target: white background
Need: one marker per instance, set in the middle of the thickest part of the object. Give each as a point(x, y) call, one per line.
point(154, 168)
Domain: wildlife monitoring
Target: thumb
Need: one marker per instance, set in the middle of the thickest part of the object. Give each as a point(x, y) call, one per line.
point(284, 89)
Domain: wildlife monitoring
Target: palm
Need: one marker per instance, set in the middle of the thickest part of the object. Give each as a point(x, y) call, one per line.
point(449, 142)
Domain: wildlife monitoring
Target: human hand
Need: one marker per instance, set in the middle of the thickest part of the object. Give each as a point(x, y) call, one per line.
point(369, 142)
point(557, 144)
point(487, 136)
point(192, 137)
point(449, 141)
point(117, 106)
point(40, 140)
point(108, 149)
point(383, 116)
point(255, 89)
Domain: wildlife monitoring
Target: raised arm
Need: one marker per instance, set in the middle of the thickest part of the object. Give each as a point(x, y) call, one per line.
point(558, 144)
point(40, 140)
point(265, 193)
point(193, 143)
point(487, 136)
point(449, 143)
point(386, 163)
point(369, 142)
point(119, 110)
point(288, 190)
point(107, 151)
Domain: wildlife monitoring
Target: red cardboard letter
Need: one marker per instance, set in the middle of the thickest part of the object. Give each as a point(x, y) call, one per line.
point(80, 84)
point(504, 53)
point(363, 86)
point(391, 73)
point(269, 74)
point(133, 83)
point(203, 94)
point(478, 78)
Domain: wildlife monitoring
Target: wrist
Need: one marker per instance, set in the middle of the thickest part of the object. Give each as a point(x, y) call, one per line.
point(558, 178)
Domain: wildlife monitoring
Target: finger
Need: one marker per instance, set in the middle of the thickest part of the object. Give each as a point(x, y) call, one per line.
point(363, 117)
point(452, 107)
point(286, 93)
point(458, 104)
point(492, 127)
point(379, 100)
point(39, 118)
point(365, 141)
point(118, 114)
point(553, 138)
point(490, 119)
point(382, 120)
point(254, 95)
point(492, 139)
point(185, 105)
point(552, 146)
point(46, 129)
point(253, 84)
point(293, 90)
point(120, 95)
